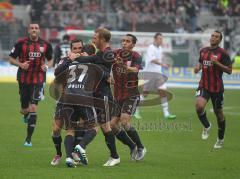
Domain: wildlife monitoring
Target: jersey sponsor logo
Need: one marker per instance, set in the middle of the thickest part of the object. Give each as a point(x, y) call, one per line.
point(207, 63)
point(121, 70)
point(34, 54)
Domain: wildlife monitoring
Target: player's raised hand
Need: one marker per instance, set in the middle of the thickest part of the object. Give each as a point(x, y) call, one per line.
point(24, 65)
point(84, 54)
point(73, 56)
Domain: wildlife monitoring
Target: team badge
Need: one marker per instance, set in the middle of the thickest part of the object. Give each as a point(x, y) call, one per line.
point(41, 49)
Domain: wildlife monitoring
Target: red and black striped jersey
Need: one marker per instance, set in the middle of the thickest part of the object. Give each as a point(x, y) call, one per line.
point(211, 78)
point(35, 52)
point(126, 83)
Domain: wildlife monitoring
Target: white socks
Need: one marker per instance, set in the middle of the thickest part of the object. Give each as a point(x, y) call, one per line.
point(164, 104)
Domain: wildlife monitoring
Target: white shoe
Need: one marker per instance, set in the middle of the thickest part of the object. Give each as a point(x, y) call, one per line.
point(205, 132)
point(112, 162)
point(134, 153)
point(218, 144)
point(70, 163)
point(56, 160)
point(141, 153)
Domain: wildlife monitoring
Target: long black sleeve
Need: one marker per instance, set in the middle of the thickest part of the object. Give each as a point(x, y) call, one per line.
point(62, 66)
point(87, 59)
point(103, 58)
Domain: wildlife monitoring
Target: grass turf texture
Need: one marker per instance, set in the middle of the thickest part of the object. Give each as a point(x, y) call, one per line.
point(175, 148)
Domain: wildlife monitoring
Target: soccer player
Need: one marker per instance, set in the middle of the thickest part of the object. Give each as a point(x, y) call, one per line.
point(76, 102)
point(29, 55)
point(62, 49)
point(154, 63)
point(104, 58)
point(213, 61)
point(82, 135)
point(126, 94)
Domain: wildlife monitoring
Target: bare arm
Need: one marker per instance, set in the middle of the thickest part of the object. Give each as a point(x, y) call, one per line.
point(15, 62)
point(197, 68)
point(224, 68)
point(132, 69)
point(49, 64)
point(119, 61)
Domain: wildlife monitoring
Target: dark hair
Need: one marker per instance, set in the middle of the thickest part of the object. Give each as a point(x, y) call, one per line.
point(75, 41)
point(104, 33)
point(157, 34)
point(89, 49)
point(66, 37)
point(221, 36)
point(134, 38)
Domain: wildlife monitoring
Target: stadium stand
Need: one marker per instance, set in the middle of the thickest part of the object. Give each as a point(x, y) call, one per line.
point(145, 16)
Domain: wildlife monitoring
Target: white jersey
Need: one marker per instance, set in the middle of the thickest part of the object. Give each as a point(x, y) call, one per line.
point(153, 53)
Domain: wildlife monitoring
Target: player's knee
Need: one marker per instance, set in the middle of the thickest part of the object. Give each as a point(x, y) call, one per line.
point(56, 126)
point(70, 132)
point(106, 127)
point(126, 126)
point(56, 130)
point(199, 107)
point(114, 123)
point(24, 111)
point(113, 127)
point(33, 108)
point(125, 123)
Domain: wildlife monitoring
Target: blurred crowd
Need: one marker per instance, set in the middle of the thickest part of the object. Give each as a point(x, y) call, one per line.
point(131, 15)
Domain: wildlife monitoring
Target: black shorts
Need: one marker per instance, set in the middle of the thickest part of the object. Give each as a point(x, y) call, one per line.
point(30, 93)
point(128, 106)
point(71, 115)
point(105, 113)
point(216, 98)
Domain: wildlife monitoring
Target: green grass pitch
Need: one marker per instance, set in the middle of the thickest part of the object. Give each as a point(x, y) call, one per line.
point(174, 148)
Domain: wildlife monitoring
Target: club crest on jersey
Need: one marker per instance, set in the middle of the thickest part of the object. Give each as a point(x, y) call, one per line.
point(41, 49)
point(13, 49)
